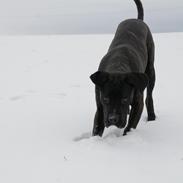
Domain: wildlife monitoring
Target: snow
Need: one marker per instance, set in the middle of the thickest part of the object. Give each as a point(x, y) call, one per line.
point(47, 107)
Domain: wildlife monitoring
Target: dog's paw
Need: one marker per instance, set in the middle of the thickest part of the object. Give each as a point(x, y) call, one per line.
point(97, 132)
point(126, 131)
point(151, 117)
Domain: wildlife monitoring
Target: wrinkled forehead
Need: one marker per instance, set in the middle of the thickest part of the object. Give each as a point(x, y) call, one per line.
point(116, 90)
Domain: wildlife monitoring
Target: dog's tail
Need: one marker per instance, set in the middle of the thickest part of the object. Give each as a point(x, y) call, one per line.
point(140, 9)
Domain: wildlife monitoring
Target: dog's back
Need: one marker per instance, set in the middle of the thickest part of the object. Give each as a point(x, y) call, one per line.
point(131, 32)
point(130, 45)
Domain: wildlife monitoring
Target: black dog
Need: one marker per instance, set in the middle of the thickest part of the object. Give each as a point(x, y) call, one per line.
point(124, 72)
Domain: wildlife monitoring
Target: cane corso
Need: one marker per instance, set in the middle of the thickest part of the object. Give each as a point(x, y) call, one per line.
point(123, 74)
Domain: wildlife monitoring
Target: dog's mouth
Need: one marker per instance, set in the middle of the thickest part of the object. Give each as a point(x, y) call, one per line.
point(118, 125)
point(121, 125)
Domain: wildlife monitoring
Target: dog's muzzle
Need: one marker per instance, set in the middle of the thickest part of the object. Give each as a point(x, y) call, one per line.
point(114, 119)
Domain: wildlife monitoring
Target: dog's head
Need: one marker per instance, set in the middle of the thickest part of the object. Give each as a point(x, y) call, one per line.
point(115, 94)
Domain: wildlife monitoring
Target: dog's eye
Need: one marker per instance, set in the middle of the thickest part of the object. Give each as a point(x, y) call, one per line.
point(124, 100)
point(106, 100)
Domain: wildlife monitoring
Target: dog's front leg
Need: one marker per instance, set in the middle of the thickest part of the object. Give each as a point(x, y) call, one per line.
point(98, 127)
point(136, 111)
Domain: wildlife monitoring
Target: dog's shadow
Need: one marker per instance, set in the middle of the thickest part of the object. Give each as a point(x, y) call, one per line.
point(83, 136)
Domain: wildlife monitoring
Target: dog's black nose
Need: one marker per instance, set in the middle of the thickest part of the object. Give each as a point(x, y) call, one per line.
point(113, 119)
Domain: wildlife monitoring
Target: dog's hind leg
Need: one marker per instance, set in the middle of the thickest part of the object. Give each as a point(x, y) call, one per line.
point(98, 127)
point(150, 71)
point(135, 113)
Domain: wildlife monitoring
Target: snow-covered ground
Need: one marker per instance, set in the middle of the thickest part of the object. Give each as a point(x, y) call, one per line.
point(47, 108)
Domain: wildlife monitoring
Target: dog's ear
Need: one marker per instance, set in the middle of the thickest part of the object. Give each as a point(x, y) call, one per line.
point(99, 78)
point(138, 80)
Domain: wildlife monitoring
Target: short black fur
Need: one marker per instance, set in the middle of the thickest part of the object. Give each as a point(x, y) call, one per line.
point(123, 74)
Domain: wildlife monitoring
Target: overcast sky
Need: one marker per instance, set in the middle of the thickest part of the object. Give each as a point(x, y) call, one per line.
point(85, 16)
